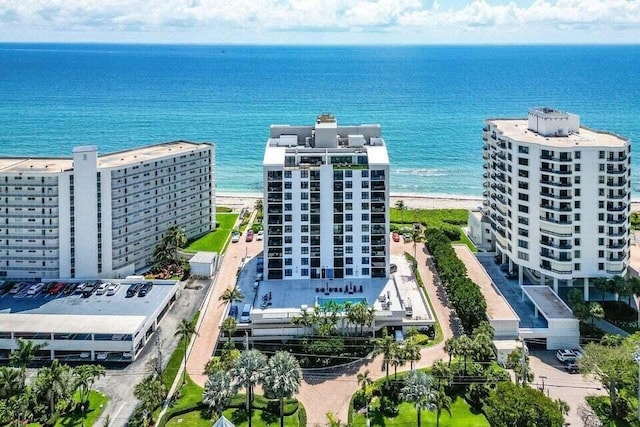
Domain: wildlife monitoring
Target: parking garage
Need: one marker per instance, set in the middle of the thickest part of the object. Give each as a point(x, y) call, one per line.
point(74, 327)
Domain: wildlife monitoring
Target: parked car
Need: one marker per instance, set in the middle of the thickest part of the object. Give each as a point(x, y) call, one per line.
point(89, 290)
point(406, 237)
point(233, 311)
point(35, 289)
point(566, 355)
point(133, 289)
point(102, 288)
point(17, 288)
point(56, 289)
point(127, 355)
point(393, 268)
point(395, 236)
point(85, 355)
point(112, 289)
point(235, 237)
point(249, 237)
point(6, 287)
point(145, 289)
point(80, 288)
point(571, 367)
point(69, 288)
point(260, 235)
point(102, 355)
point(259, 277)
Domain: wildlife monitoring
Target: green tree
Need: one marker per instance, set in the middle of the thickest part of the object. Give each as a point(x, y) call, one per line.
point(10, 382)
point(150, 392)
point(54, 386)
point(231, 295)
point(364, 380)
point(412, 352)
point(384, 346)
point(602, 285)
point(306, 319)
point(85, 376)
point(595, 311)
point(465, 348)
point(617, 284)
point(24, 355)
point(282, 378)
point(418, 391)
point(441, 402)
point(450, 347)
point(184, 331)
point(509, 405)
point(441, 372)
point(518, 360)
point(217, 392)
point(248, 372)
point(483, 342)
point(229, 326)
point(397, 359)
point(401, 207)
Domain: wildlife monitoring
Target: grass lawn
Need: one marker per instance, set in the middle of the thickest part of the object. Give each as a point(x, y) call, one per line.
point(214, 241)
point(170, 371)
point(461, 415)
point(437, 218)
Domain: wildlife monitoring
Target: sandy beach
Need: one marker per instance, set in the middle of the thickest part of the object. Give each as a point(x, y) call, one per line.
point(237, 201)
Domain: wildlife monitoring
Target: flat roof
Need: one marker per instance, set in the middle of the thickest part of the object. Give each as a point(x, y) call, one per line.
point(547, 302)
point(109, 160)
point(78, 324)
point(517, 129)
point(497, 306)
point(149, 152)
point(204, 257)
point(102, 311)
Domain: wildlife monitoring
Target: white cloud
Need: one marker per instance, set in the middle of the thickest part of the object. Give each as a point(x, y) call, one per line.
point(260, 16)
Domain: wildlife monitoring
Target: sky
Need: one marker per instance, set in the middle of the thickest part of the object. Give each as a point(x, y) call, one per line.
point(329, 22)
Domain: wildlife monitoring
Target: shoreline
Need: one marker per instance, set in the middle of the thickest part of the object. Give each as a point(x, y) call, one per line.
point(239, 200)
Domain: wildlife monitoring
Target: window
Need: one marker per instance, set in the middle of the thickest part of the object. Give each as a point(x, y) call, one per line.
point(348, 260)
point(288, 239)
point(304, 239)
point(348, 195)
point(348, 238)
point(600, 254)
point(288, 261)
point(523, 244)
point(601, 155)
point(576, 266)
point(304, 261)
point(304, 272)
point(348, 217)
point(348, 228)
point(348, 249)
point(523, 149)
point(365, 249)
point(577, 170)
point(288, 229)
point(601, 167)
point(577, 154)
point(365, 271)
point(304, 251)
point(365, 206)
point(365, 260)
point(304, 217)
point(523, 209)
point(600, 217)
point(576, 217)
point(365, 217)
point(365, 228)
point(576, 242)
point(364, 173)
point(288, 251)
point(524, 197)
point(348, 184)
point(365, 195)
point(601, 266)
point(576, 254)
point(304, 195)
point(348, 174)
point(600, 241)
point(287, 185)
point(523, 161)
point(523, 255)
point(287, 174)
point(288, 207)
point(365, 238)
point(304, 206)
point(304, 174)
point(288, 272)
point(287, 196)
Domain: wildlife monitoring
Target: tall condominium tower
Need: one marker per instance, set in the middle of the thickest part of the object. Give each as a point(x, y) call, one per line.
point(91, 216)
point(558, 197)
point(326, 201)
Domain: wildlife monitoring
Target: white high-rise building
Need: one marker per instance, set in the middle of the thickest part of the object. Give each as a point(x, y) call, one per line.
point(326, 202)
point(558, 198)
point(91, 216)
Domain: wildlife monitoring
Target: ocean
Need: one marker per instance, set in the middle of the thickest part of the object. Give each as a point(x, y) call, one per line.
point(430, 100)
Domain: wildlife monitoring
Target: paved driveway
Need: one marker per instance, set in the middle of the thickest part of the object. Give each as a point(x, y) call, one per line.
point(559, 384)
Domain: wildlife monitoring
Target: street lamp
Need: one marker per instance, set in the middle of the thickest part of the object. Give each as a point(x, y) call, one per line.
point(636, 357)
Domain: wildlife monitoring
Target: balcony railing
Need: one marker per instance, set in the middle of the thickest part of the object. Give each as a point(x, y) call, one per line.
point(555, 257)
point(555, 245)
point(555, 183)
point(555, 221)
point(556, 208)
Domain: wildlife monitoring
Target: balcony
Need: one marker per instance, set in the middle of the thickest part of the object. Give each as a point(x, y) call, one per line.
point(561, 257)
point(617, 233)
point(556, 171)
point(556, 196)
point(616, 221)
point(619, 208)
point(619, 183)
point(616, 171)
point(556, 208)
point(618, 196)
point(555, 159)
point(616, 245)
point(552, 244)
point(554, 269)
point(555, 183)
point(621, 158)
point(556, 221)
point(617, 258)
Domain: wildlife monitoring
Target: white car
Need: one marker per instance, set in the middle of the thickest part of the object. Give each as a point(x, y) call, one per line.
point(566, 355)
point(235, 237)
point(112, 289)
point(127, 355)
point(102, 288)
point(34, 289)
point(260, 235)
point(85, 355)
point(102, 355)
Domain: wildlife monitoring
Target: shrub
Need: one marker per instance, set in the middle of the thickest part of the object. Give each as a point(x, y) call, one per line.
point(360, 399)
point(452, 233)
point(388, 407)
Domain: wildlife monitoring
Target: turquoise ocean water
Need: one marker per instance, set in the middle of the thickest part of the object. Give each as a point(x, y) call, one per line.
point(430, 100)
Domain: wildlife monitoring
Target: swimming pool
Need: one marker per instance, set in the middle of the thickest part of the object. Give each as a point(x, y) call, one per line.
point(323, 301)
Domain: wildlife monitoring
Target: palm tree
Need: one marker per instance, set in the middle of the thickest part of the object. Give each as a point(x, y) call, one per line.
point(519, 362)
point(412, 352)
point(185, 330)
point(364, 380)
point(465, 348)
point(384, 346)
point(10, 382)
point(401, 207)
point(441, 372)
point(305, 319)
point(229, 326)
point(397, 359)
point(231, 296)
point(24, 355)
point(248, 372)
point(617, 284)
point(282, 378)
point(450, 347)
point(55, 384)
point(218, 391)
point(441, 402)
point(596, 311)
point(85, 376)
point(417, 390)
point(602, 285)
point(150, 392)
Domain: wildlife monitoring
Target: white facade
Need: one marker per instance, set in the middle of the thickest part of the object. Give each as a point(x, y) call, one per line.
point(93, 216)
point(326, 201)
point(558, 197)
